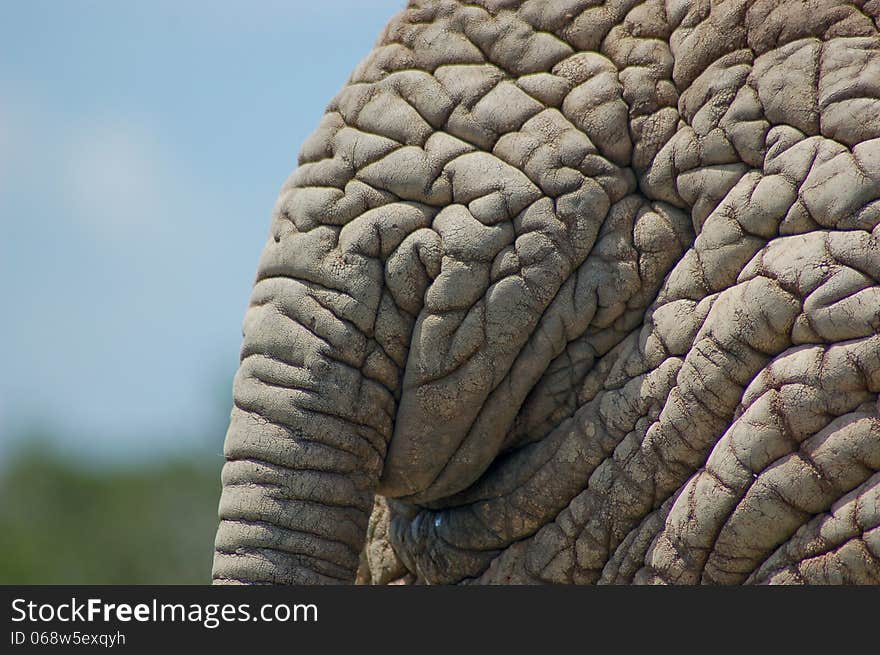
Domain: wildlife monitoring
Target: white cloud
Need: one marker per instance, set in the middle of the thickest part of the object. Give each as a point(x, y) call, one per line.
point(107, 176)
point(116, 179)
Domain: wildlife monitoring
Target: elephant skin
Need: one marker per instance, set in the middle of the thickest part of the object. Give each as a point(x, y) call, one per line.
point(571, 291)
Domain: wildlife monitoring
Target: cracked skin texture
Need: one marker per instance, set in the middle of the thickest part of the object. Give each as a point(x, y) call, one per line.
point(571, 291)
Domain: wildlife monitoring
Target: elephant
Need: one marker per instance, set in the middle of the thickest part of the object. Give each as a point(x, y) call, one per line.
point(573, 292)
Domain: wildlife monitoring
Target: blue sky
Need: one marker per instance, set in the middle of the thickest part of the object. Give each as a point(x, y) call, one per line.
point(142, 145)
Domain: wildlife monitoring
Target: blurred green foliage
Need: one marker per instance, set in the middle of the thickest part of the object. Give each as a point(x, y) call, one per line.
point(63, 523)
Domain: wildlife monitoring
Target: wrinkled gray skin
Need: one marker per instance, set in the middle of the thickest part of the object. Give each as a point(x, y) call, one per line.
point(579, 292)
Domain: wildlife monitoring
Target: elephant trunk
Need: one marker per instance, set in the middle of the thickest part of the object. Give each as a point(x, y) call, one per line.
point(307, 435)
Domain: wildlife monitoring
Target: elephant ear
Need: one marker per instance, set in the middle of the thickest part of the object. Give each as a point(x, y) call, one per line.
point(559, 278)
point(736, 421)
point(522, 146)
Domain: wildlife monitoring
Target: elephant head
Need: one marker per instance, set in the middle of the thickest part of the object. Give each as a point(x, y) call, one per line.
point(588, 291)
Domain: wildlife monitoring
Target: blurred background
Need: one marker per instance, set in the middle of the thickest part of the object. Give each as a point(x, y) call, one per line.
point(142, 145)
